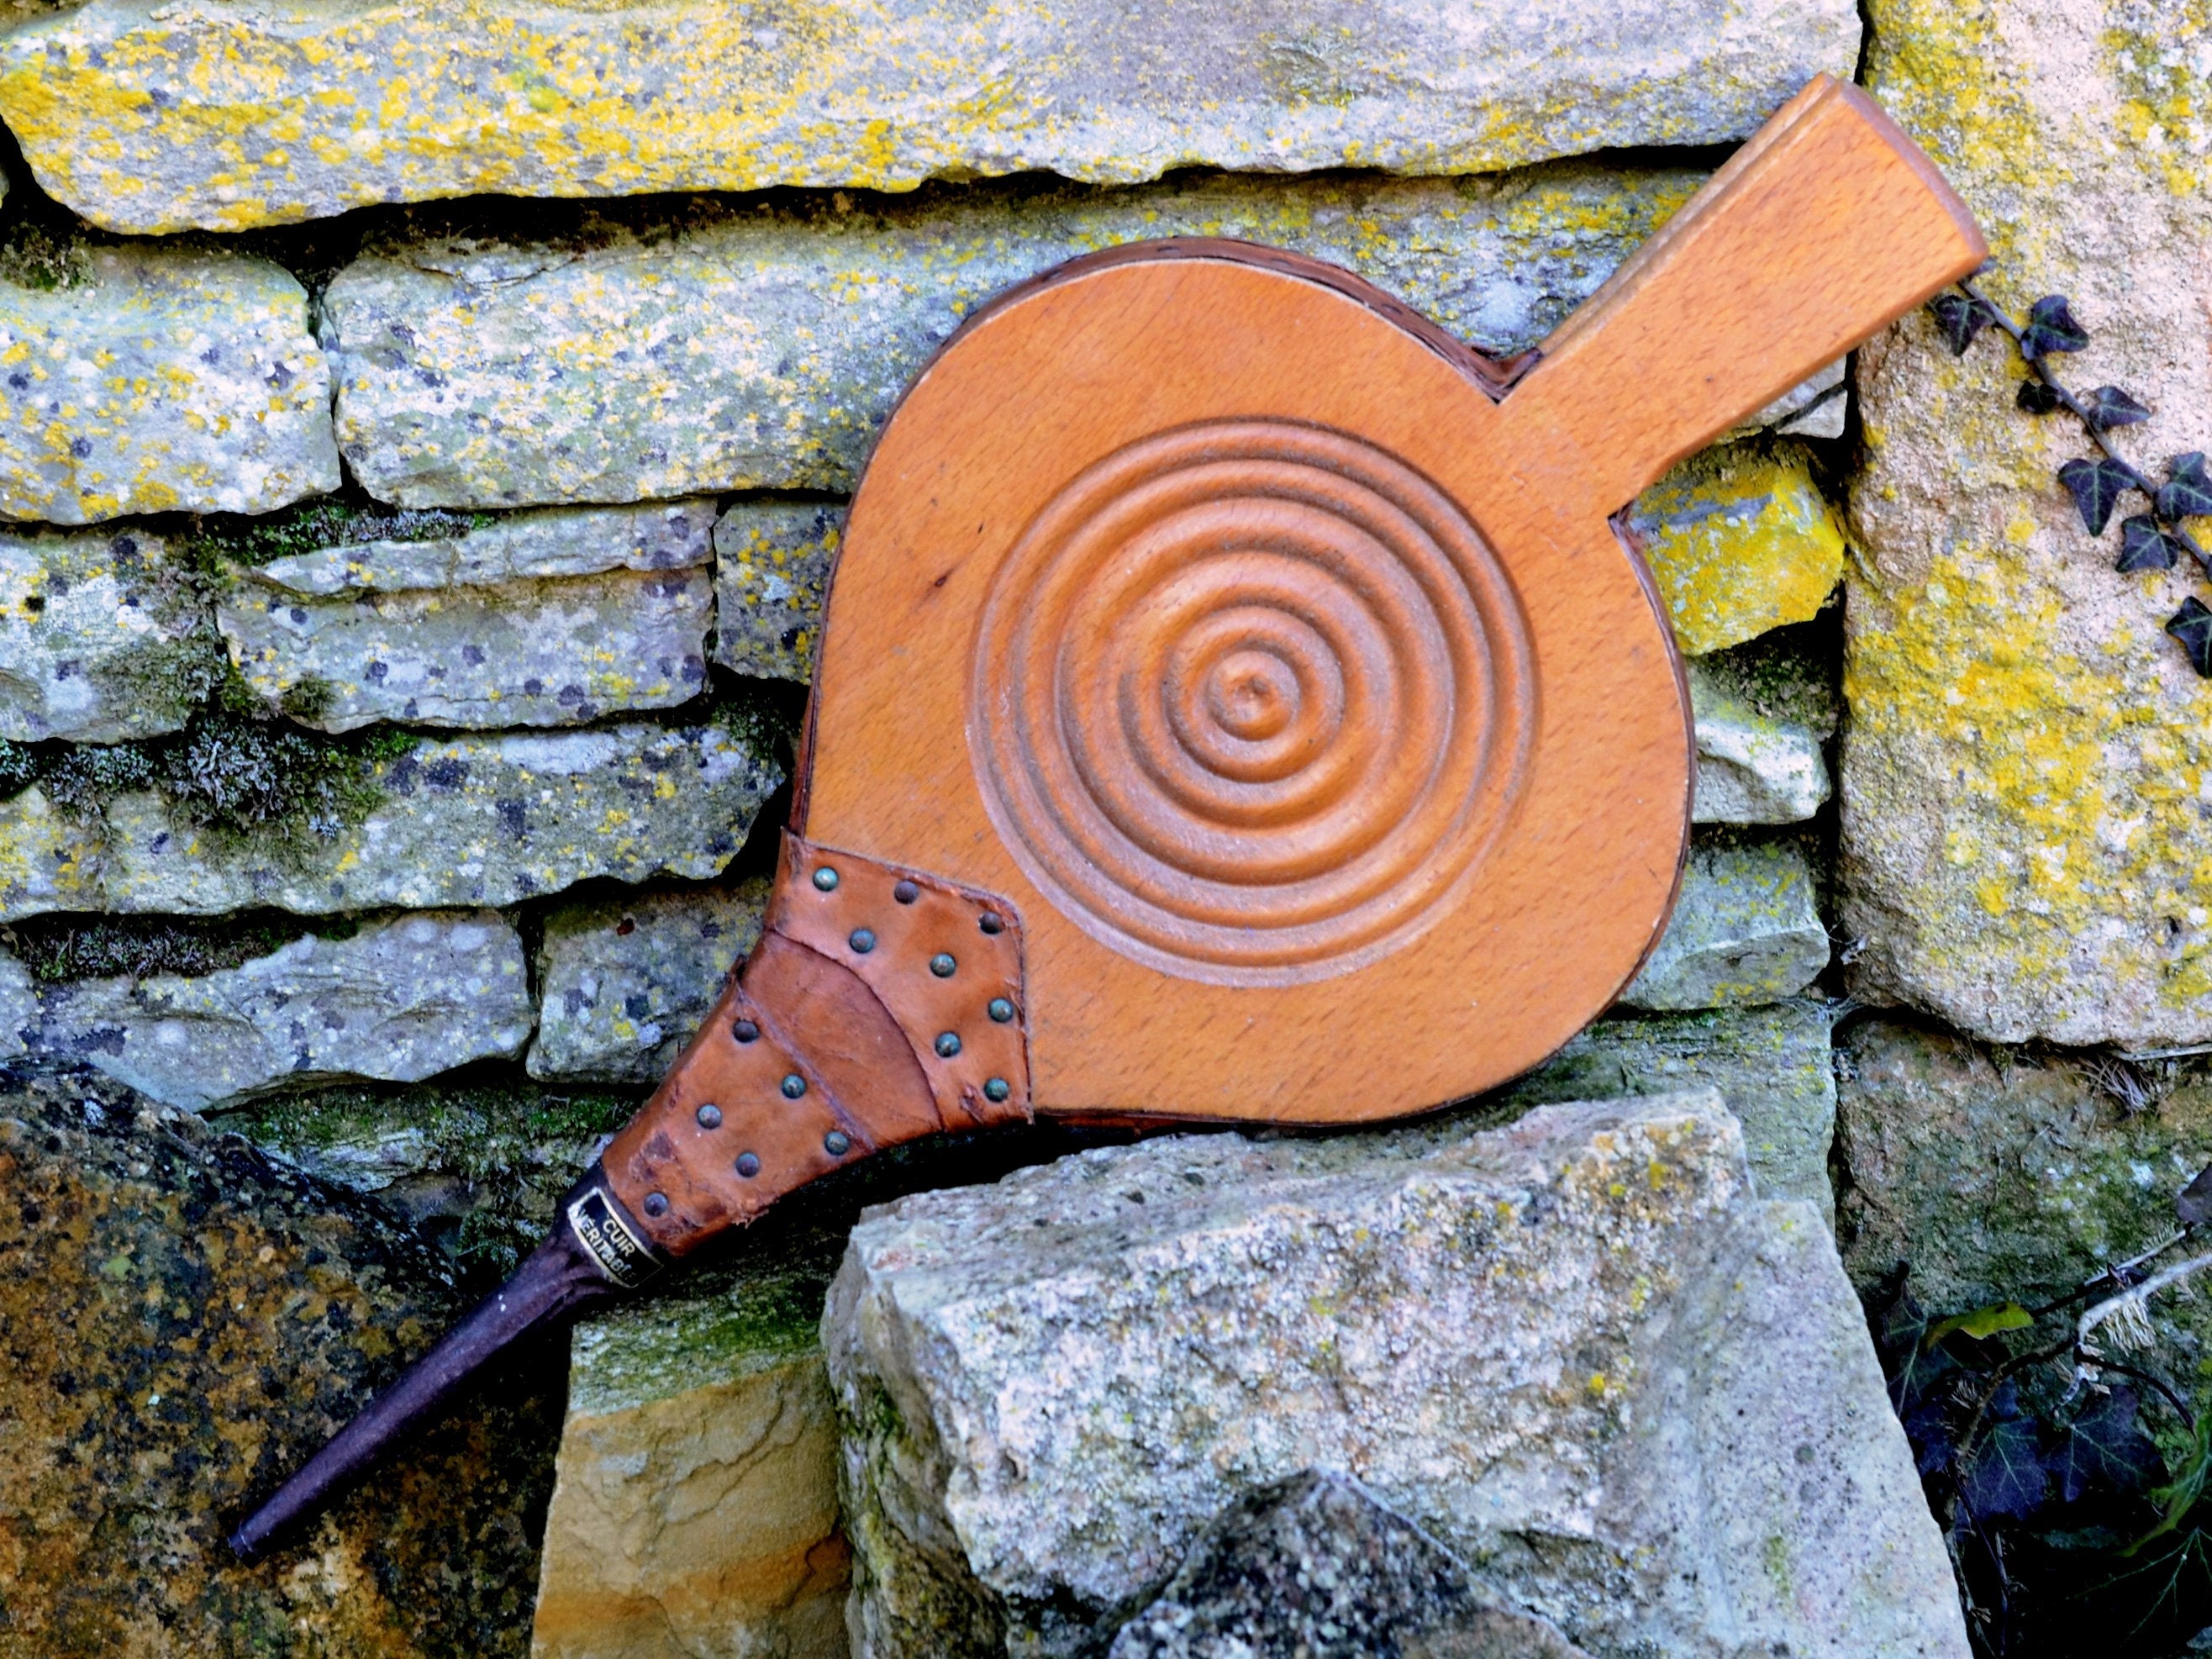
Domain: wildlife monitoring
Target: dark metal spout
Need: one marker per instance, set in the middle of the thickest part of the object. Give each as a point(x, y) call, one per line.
point(571, 1269)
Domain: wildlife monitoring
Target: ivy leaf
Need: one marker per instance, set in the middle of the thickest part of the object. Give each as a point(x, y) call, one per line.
point(2109, 406)
point(2036, 398)
point(1983, 1323)
point(2050, 327)
point(2096, 486)
point(2194, 1203)
point(2144, 546)
point(2105, 1448)
point(1960, 319)
point(2192, 626)
point(2007, 1474)
point(2186, 493)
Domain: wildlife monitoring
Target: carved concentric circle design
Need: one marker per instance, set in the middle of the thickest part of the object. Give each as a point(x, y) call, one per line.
point(1251, 699)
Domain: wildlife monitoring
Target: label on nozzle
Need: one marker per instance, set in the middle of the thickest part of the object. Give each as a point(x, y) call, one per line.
point(621, 1254)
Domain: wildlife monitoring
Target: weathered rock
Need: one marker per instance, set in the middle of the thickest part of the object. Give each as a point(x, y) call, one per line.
point(488, 820)
point(19, 1006)
point(142, 378)
point(694, 1510)
point(1813, 409)
point(1757, 764)
point(1741, 540)
point(1314, 1566)
point(532, 653)
point(2001, 1175)
point(628, 356)
point(224, 117)
point(1744, 930)
point(1773, 1066)
point(771, 580)
point(360, 550)
point(1574, 1350)
point(184, 1323)
point(2022, 815)
point(624, 984)
point(49, 859)
point(86, 623)
point(397, 1000)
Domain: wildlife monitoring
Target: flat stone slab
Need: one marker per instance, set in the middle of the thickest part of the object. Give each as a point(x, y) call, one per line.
point(392, 551)
point(397, 1000)
point(627, 357)
point(148, 378)
point(226, 115)
point(1744, 930)
point(86, 622)
point(2023, 814)
point(624, 983)
point(1763, 722)
point(468, 821)
point(1739, 540)
point(1575, 1351)
point(772, 564)
point(529, 653)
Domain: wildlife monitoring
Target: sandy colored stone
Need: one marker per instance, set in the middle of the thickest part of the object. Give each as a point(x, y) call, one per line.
point(1773, 1066)
point(185, 1323)
point(1739, 540)
point(1575, 1351)
point(398, 1000)
point(471, 820)
point(695, 1509)
point(2029, 759)
point(561, 652)
point(624, 984)
point(633, 354)
point(86, 621)
point(771, 580)
point(225, 115)
point(1744, 930)
point(151, 378)
point(478, 549)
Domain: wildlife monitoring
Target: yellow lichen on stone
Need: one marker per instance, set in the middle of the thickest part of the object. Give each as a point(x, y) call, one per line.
point(1740, 541)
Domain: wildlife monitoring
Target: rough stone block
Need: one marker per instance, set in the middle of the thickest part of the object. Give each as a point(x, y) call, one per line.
point(531, 653)
point(1741, 540)
point(695, 1509)
point(387, 552)
point(627, 357)
point(1756, 764)
point(1744, 930)
point(2024, 792)
point(625, 983)
point(474, 820)
point(225, 115)
point(1773, 1066)
point(86, 622)
point(19, 1006)
point(49, 859)
point(772, 565)
point(145, 377)
point(1575, 1351)
point(397, 1000)
point(185, 1323)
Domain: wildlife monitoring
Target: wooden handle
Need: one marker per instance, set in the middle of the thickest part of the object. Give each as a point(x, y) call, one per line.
point(1822, 229)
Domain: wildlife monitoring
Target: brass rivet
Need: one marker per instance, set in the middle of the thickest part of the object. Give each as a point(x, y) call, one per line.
point(745, 1031)
point(990, 921)
point(861, 940)
point(996, 1088)
point(748, 1165)
point(825, 878)
point(793, 1085)
point(948, 1044)
point(1000, 1009)
point(906, 892)
point(942, 965)
point(710, 1117)
point(836, 1145)
point(656, 1203)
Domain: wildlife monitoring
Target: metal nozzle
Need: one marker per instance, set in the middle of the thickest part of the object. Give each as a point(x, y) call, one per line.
point(559, 1278)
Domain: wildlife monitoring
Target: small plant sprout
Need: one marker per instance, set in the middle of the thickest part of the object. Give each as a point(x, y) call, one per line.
point(2152, 539)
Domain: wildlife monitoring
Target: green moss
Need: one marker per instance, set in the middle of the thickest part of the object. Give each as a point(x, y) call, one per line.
point(66, 947)
point(35, 255)
point(220, 539)
point(19, 767)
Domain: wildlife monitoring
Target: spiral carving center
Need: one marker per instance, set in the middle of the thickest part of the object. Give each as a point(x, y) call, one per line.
point(1250, 700)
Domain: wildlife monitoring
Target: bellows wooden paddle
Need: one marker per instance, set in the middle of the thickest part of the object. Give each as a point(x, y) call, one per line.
point(1238, 701)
